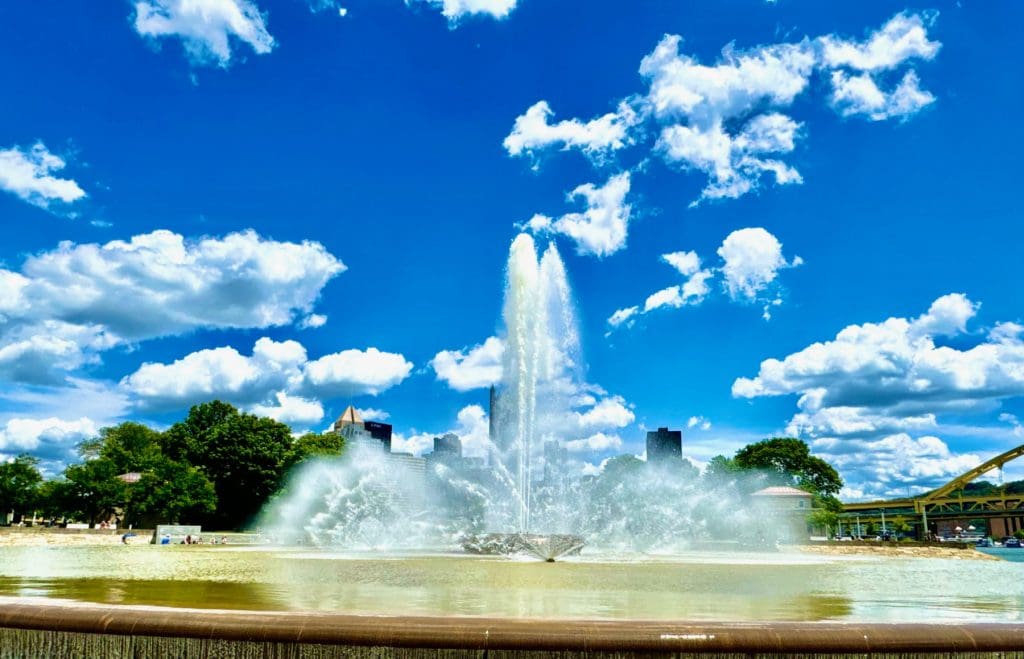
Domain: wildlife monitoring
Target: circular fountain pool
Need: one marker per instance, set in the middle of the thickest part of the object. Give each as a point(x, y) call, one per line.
point(692, 586)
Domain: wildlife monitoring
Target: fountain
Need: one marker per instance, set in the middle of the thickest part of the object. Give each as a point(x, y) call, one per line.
point(362, 500)
point(528, 499)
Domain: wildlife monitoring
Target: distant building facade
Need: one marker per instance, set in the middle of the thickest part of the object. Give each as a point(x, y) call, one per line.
point(448, 445)
point(786, 508)
point(664, 445)
point(370, 434)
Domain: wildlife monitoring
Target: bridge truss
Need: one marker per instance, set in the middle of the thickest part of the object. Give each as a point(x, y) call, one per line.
point(948, 500)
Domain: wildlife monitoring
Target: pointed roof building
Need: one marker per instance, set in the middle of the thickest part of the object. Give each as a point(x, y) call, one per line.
point(349, 417)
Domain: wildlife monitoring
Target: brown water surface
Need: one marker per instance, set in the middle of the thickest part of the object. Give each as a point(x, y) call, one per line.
point(695, 586)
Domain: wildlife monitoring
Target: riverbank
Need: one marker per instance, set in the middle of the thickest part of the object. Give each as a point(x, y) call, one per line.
point(895, 551)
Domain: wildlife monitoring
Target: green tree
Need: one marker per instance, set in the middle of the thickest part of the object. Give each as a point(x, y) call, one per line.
point(92, 492)
point(243, 455)
point(128, 446)
point(313, 445)
point(825, 519)
point(171, 492)
point(19, 485)
point(788, 461)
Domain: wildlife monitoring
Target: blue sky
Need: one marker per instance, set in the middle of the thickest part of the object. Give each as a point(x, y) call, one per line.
point(298, 204)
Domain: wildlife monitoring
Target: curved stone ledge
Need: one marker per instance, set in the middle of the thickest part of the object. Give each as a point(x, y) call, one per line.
point(486, 634)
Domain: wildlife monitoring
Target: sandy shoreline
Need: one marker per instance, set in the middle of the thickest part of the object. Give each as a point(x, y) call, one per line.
point(896, 551)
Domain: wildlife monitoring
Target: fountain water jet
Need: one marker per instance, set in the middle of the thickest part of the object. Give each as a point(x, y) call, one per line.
point(540, 366)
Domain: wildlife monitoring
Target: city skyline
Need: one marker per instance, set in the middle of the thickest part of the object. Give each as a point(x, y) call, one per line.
point(776, 220)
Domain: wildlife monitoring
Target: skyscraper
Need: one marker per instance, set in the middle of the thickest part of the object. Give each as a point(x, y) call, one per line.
point(664, 445)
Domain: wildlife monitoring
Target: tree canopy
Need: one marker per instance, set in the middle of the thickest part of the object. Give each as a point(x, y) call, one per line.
point(19, 485)
point(243, 455)
point(788, 461)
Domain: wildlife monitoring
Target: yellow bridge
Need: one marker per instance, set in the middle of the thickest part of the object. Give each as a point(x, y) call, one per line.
point(1002, 512)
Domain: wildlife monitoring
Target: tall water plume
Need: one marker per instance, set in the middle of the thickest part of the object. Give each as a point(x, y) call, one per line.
point(541, 364)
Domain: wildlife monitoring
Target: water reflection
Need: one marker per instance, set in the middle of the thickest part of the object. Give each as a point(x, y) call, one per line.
point(692, 587)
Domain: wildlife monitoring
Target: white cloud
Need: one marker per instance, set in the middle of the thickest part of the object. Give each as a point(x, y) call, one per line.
point(733, 163)
point(50, 439)
point(373, 414)
point(693, 291)
point(456, 10)
point(903, 37)
point(293, 410)
point(860, 95)
point(313, 320)
point(682, 87)
point(595, 443)
point(892, 379)
point(752, 259)
point(729, 119)
point(29, 175)
point(698, 422)
point(471, 368)
point(472, 427)
point(277, 378)
point(602, 228)
point(896, 362)
point(353, 372)
point(532, 131)
point(687, 263)
point(69, 304)
point(206, 27)
point(1007, 332)
point(895, 465)
point(607, 413)
point(624, 316)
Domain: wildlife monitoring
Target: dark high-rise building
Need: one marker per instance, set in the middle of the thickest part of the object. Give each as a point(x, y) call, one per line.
point(379, 431)
point(664, 445)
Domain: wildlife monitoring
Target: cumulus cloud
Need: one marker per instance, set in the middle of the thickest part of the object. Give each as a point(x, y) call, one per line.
point(696, 103)
point(29, 174)
point(456, 10)
point(293, 410)
point(860, 95)
point(893, 381)
point(206, 28)
point(602, 228)
point(596, 443)
point(903, 37)
point(471, 368)
point(897, 363)
point(276, 380)
point(373, 414)
point(533, 131)
point(607, 413)
point(52, 440)
point(730, 119)
point(67, 305)
point(353, 372)
point(750, 262)
point(895, 465)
